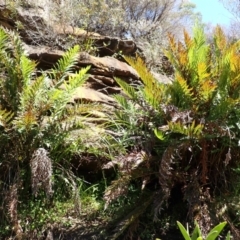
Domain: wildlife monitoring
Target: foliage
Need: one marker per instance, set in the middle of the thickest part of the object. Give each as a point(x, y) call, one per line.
point(197, 235)
point(186, 132)
point(38, 129)
point(146, 22)
point(233, 8)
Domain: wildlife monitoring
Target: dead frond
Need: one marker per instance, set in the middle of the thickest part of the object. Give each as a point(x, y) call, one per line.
point(118, 188)
point(41, 172)
point(165, 170)
point(13, 212)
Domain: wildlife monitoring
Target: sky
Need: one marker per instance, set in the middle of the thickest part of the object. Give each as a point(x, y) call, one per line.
point(213, 12)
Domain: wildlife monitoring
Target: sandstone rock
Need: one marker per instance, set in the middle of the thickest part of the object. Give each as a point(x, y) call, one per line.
point(90, 95)
point(107, 66)
point(107, 46)
point(110, 45)
point(45, 56)
point(103, 70)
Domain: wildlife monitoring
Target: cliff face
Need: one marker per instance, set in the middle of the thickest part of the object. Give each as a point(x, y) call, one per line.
point(46, 44)
point(46, 41)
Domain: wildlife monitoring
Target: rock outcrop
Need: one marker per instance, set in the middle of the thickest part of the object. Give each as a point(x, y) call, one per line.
point(45, 44)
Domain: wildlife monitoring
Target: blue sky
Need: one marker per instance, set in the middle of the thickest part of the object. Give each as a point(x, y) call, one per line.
point(212, 12)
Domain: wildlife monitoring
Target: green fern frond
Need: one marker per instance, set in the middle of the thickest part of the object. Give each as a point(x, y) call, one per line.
point(129, 90)
point(192, 131)
point(4, 40)
point(64, 95)
point(187, 91)
point(154, 91)
point(65, 65)
point(199, 38)
point(77, 79)
point(5, 117)
point(122, 101)
point(30, 93)
point(202, 70)
point(27, 68)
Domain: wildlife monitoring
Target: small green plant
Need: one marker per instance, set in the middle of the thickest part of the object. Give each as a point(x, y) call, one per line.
point(197, 234)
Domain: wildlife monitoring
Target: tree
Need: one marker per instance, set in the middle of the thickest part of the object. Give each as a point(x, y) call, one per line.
point(147, 21)
point(233, 6)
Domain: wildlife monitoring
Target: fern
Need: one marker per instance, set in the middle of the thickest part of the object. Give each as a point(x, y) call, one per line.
point(129, 90)
point(192, 125)
point(35, 119)
point(154, 91)
point(65, 65)
point(191, 131)
point(5, 118)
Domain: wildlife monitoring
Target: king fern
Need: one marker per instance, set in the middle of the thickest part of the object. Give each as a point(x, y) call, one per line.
point(37, 123)
point(192, 124)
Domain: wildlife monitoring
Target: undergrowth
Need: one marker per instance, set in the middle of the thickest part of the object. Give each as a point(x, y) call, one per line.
point(184, 135)
point(174, 148)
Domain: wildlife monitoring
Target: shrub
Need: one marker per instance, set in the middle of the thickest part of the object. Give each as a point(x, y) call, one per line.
point(185, 134)
point(36, 125)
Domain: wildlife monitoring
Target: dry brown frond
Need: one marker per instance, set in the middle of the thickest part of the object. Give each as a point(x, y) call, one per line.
point(203, 217)
point(165, 180)
point(12, 200)
point(165, 173)
point(117, 188)
point(41, 172)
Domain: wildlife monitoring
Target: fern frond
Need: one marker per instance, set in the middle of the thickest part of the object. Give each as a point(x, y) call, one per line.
point(27, 68)
point(65, 65)
point(59, 98)
point(192, 131)
point(77, 79)
point(122, 101)
point(5, 117)
point(11, 52)
point(128, 89)
point(116, 189)
point(202, 70)
point(182, 56)
point(30, 92)
point(26, 120)
point(154, 91)
point(172, 43)
point(187, 40)
point(206, 89)
point(4, 40)
point(187, 91)
point(199, 37)
point(220, 39)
